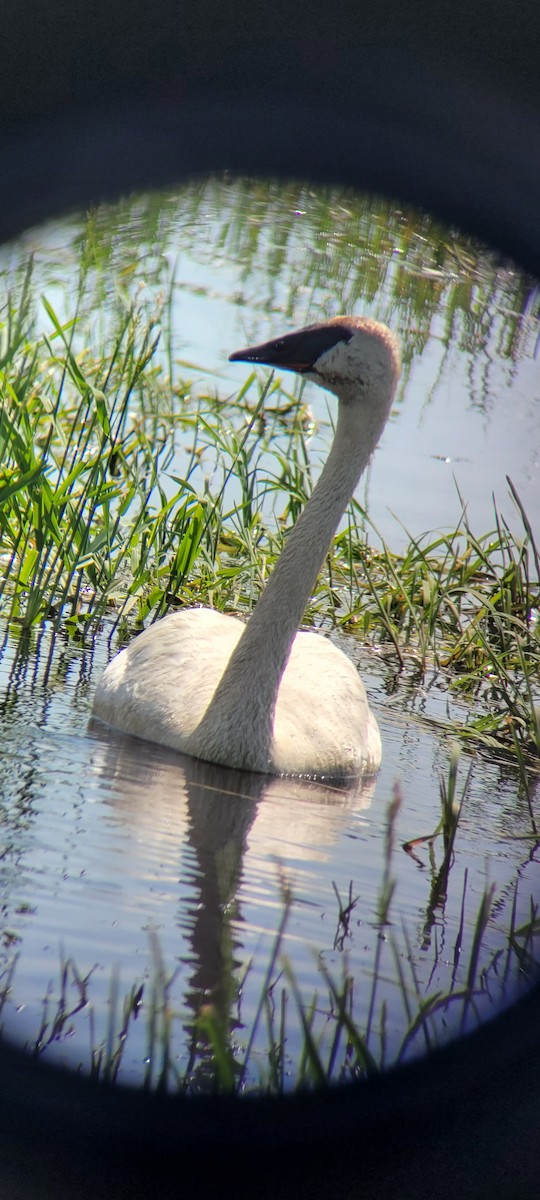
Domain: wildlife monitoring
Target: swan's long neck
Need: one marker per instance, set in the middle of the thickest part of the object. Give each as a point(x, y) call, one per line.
point(244, 701)
point(281, 607)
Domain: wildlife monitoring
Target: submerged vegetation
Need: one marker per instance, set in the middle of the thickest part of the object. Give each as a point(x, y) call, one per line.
point(127, 489)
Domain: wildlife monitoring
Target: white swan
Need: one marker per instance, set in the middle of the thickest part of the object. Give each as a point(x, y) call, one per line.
point(261, 696)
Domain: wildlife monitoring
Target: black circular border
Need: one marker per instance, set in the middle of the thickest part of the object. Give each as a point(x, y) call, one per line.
point(440, 108)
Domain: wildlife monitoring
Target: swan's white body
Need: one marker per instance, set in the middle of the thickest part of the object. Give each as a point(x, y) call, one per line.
point(331, 733)
point(262, 696)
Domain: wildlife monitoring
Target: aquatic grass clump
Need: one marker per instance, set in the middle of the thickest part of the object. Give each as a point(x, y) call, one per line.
point(465, 606)
point(64, 431)
point(91, 514)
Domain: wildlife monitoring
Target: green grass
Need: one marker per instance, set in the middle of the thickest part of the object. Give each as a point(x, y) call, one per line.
point(463, 605)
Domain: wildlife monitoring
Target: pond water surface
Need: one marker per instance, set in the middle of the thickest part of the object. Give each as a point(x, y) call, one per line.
point(125, 867)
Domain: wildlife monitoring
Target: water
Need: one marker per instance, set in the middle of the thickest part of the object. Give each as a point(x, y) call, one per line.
point(128, 860)
point(125, 867)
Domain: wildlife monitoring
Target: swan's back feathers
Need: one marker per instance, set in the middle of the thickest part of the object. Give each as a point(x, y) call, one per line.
point(164, 679)
point(322, 723)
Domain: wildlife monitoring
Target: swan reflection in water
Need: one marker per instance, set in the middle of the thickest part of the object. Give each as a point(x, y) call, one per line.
point(197, 824)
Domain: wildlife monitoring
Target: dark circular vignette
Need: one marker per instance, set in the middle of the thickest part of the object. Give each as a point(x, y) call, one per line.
point(435, 105)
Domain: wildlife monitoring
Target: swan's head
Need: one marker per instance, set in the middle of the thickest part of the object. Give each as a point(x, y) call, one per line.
point(354, 357)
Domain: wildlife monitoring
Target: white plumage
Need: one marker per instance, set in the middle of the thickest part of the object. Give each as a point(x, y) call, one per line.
point(261, 696)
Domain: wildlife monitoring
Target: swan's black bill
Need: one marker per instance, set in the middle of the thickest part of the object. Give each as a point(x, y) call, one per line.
point(297, 351)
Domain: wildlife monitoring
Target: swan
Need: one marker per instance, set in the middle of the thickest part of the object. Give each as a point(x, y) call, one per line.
point(261, 696)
